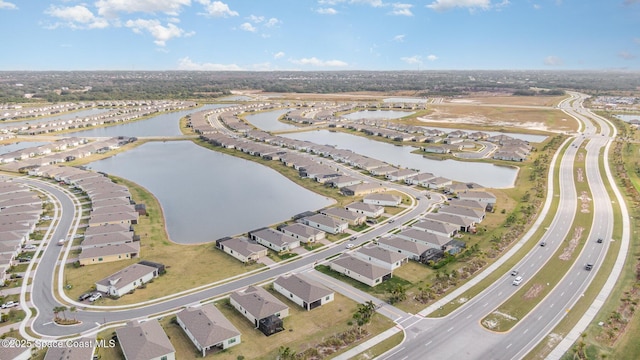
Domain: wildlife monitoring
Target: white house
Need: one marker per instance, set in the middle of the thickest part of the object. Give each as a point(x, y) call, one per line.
point(126, 279)
point(381, 257)
point(382, 199)
point(304, 233)
point(302, 291)
point(145, 341)
point(275, 240)
point(326, 223)
point(368, 210)
point(357, 269)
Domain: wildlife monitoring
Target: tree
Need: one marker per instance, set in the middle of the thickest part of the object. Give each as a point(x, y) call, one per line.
point(398, 293)
point(286, 353)
point(57, 310)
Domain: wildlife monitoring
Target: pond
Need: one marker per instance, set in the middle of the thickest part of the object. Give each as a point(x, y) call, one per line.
point(206, 195)
point(4, 149)
point(268, 120)
point(485, 174)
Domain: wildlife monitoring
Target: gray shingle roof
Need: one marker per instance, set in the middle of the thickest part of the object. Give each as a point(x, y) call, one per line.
point(361, 267)
point(144, 341)
point(207, 324)
point(303, 288)
point(258, 302)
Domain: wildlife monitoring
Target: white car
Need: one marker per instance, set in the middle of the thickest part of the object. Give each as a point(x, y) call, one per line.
point(9, 304)
point(517, 281)
point(349, 246)
point(95, 297)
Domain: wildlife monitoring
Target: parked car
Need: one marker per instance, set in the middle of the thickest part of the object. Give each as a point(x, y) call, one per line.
point(9, 304)
point(84, 296)
point(517, 280)
point(94, 297)
point(29, 247)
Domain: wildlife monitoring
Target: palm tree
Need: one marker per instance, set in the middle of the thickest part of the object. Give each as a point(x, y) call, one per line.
point(57, 310)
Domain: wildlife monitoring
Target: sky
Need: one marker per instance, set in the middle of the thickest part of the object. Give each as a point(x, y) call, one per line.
point(320, 35)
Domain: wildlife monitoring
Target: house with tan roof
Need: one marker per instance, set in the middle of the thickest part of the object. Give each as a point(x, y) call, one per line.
point(463, 223)
point(262, 309)
point(145, 341)
point(436, 227)
point(274, 240)
point(109, 253)
point(382, 199)
point(207, 328)
point(303, 291)
point(72, 350)
point(341, 214)
point(361, 189)
point(326, 223)
point(306, 234)
point(357, 269)
point(125, 218)
point(242, 249)
point(433, 240)
point(368, 210)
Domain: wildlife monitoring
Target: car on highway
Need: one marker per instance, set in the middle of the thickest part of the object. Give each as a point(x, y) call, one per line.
point(349, 246)
point(60, 242)
point(9, 304)
point(599, 241)
point(517, 281)
point(514, 273)
point(94, 297)
point(588, 266)
point(390, 221)
point(543, 244)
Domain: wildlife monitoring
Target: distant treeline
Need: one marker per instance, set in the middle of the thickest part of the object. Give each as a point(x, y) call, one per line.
point(530, 92)
point(118, 85)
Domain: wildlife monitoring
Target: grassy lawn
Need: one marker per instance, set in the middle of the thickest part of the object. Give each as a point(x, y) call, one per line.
point(381, 347)
point(303, 329)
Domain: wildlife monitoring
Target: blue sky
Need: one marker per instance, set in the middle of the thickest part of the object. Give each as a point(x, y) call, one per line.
point(264, 35)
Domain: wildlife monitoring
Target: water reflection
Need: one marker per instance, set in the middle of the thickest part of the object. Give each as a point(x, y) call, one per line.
point(206, 195)
point(482, 173)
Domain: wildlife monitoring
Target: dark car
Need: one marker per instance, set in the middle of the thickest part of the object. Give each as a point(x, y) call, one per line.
point(544, 243)
point(588, 267)
point(84, 296)
point(599, 241)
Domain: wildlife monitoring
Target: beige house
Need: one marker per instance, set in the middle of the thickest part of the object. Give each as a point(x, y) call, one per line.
point(207, 328)
point(145, 341)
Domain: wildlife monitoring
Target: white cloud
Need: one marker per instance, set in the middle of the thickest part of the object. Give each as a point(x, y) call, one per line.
point(442, 5)
point(160, 33)
point(415, 59)
point(187, 64)
point(248, 27)
point(402, 9)
point(278, 55)
point(217, 9)
point(313, 61)
point(75, 17)
point(399, 38)
point(327, 11)
point(626, 55)
point(374, 3)
point(553, 61)
point(7, 5)
point(272, 22)
point(111, 8)
point(256, 19)
point(636, 40)
point(537, 6)
point(432, 57)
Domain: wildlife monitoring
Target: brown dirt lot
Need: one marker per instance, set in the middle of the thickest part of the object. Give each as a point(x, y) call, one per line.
point(517, 100)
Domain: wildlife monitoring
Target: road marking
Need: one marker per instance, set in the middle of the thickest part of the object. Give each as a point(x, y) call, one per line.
point(571, 283)
point(485, 304)
point(451, 328)
point(508, 346)
point(469, 317)
point(540, 317)
point(47, 323)
point(525, 331)
point(562, 294)
point(500, 293)
point(531, 265)
point(551, 305)
point(427, 344)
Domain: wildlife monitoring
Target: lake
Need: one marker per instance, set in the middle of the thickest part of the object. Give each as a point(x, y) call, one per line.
point(206, 195)
point(268, 120)
point(167, 124)
point(485, 174)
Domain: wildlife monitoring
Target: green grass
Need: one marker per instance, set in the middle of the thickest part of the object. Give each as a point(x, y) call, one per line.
point(383, 288)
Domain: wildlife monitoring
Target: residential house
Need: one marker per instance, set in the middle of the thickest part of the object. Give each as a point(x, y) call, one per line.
point(361, 189)
point(113, 238)
point(475, 215)
point(411, 249)
point(145, 341)
point(381, 257)
point(109, 253)
point(67, 351)
point(480, 196)
point(16, 352)
point(343, 181)
point(462, 223)
point(262, 309)
point(382, 199)
point(274, 240)
point(341, 214)
point(127, 279)
point(242, 249)
point(306, 234)
point(126, 218)
point(436, 227)
point(426, 238)
point(303, 291)
point(326, 223)
point(105, 229)
point(401, 175)
point(358, 269)
point(207, 328)
point(368, 210)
